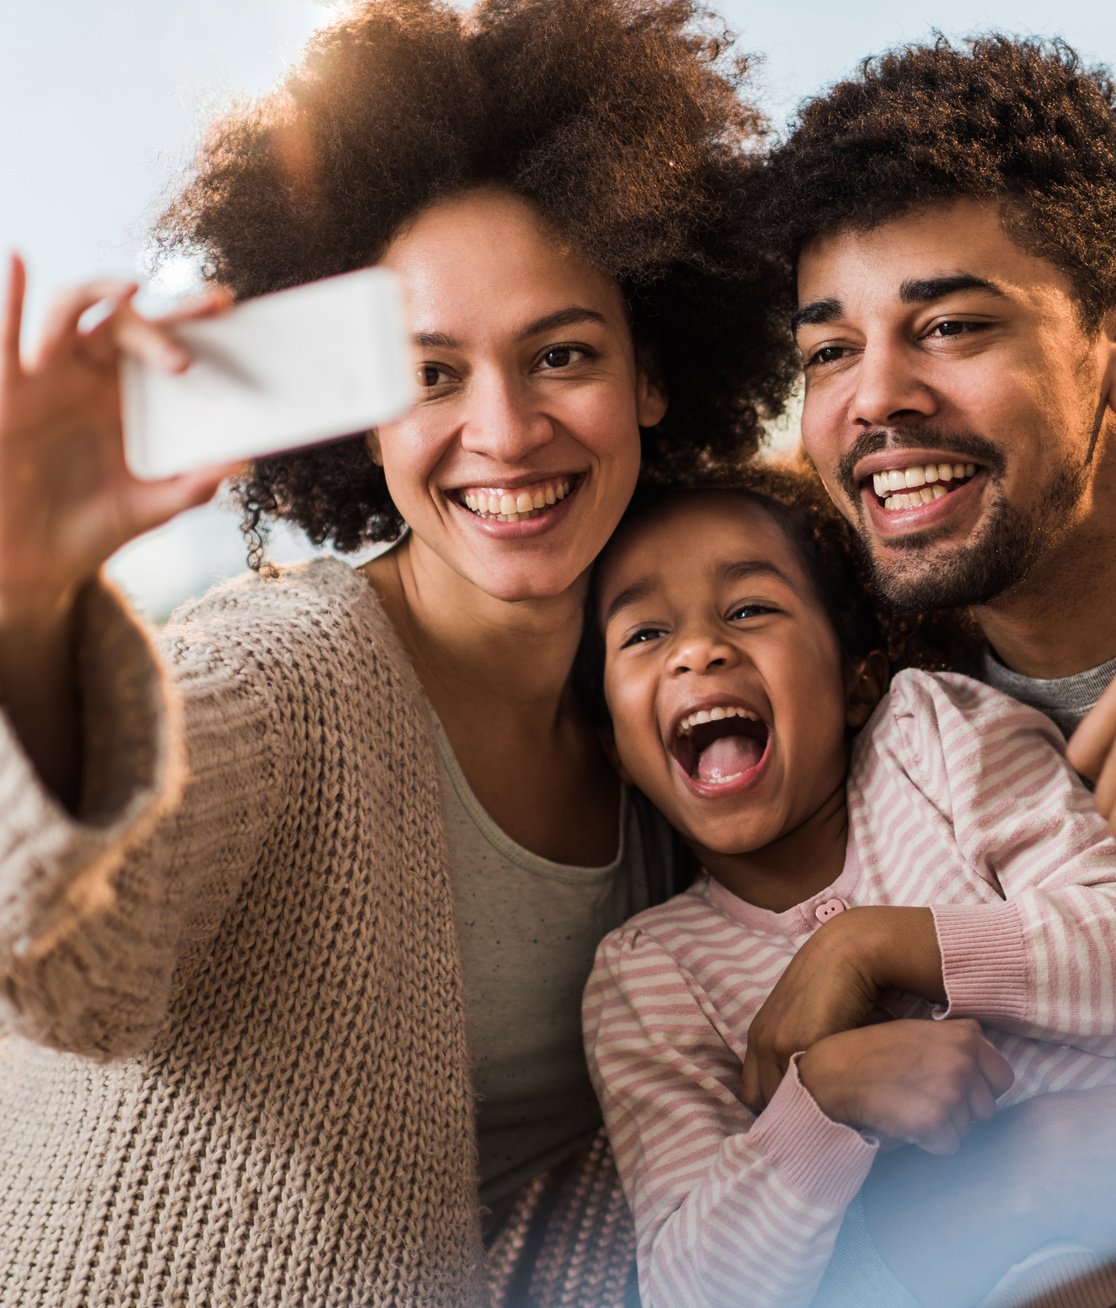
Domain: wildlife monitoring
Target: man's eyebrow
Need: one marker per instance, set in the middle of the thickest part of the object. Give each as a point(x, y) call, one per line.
point(567, 317)
point(816, 313)
point(917, 290)
point(924, 290)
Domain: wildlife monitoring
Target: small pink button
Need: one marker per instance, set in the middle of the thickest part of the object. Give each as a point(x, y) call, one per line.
point(829, 908)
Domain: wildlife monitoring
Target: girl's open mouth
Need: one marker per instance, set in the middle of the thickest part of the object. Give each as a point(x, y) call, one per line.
point(719, 745)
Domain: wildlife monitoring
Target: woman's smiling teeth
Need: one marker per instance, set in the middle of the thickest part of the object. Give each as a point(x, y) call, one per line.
point(909, 488)
point(499, 505)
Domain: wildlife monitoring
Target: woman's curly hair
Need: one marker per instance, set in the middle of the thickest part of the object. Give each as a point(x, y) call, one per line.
point(831, 556)
point(621, 120)
point(1016, 122)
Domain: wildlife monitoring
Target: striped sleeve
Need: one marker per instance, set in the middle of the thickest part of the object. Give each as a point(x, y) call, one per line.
point(729, 1208)
point(1041, 960)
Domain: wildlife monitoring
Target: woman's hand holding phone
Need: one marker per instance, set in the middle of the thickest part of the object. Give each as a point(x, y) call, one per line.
point(67, 498)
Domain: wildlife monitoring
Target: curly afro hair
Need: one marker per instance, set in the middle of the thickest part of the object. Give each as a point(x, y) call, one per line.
point(620, 120)
point(831, 556)
point(1015, 122)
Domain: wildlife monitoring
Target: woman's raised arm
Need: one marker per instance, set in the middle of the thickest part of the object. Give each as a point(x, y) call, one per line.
point(67, 498)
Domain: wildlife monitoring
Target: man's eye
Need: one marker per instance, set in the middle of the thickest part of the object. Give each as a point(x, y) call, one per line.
point(955, 327)
point(641, 637)
point(827, 354)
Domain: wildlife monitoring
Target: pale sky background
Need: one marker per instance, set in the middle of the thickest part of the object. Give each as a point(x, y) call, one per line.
point(100, 105)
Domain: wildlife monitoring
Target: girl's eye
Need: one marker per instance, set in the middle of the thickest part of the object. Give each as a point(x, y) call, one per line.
point(744, 611)
point(641, 637)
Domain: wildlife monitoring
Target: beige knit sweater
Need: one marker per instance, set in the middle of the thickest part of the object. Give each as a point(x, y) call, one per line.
point(233, 1069)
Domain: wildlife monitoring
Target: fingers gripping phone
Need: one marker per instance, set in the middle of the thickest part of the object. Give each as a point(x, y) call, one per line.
point(282, 371)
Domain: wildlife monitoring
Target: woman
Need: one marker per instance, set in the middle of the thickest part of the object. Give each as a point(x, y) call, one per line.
point(281, 899)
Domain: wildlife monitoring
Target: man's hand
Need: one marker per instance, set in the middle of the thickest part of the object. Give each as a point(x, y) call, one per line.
point(833, 983)
point(1092, 751)
point(922, 1083)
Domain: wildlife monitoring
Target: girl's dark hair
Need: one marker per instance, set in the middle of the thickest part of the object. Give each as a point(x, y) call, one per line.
point(1018, 123)
point(621, 120)
point(831, 556)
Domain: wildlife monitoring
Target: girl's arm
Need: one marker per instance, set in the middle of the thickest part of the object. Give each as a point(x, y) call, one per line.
point(731, 1208)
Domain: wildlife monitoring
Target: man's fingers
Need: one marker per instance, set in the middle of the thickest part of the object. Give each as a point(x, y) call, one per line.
point(1104, 795)
point(1093, 740)
point(994, 1067)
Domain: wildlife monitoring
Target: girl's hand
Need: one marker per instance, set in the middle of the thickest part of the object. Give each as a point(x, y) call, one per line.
point(67, 499)
point(1092, 751)
point(833, 984)
point(922, 1083)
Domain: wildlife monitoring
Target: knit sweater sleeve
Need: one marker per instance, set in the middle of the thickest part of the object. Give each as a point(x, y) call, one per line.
point(729, 1208)
point(100, 912)
point(1037, 957)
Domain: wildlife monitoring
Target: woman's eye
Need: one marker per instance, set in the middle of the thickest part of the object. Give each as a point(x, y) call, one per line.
point(431, 375)
point(561, 356)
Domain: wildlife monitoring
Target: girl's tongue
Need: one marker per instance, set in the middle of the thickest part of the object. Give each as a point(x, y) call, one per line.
point(728, 757)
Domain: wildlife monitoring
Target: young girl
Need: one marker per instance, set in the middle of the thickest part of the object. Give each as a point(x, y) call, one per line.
point(945, 864)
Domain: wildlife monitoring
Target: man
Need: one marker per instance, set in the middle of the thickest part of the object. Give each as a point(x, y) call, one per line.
point(951, 215)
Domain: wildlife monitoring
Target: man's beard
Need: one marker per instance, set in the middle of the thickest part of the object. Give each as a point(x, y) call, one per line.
point(1009, 543)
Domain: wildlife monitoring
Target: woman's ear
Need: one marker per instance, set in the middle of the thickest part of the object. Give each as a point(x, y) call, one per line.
point(651, 396)
point(372, 444)
point(867, 681)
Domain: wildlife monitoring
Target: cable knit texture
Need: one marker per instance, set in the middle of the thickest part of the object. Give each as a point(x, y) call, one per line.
point(233, 1067)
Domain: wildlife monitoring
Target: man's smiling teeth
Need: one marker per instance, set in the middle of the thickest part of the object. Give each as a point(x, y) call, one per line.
point(909, 488)
point(513, 506)
point(712, 715)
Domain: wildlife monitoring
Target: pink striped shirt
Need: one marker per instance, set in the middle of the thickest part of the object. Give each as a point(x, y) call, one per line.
point(960, 800)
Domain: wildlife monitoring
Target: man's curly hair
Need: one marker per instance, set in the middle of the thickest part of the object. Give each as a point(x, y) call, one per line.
point(1020, 123)
point(621, 120)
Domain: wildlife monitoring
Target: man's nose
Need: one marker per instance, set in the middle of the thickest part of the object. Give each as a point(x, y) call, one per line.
point(888, 389)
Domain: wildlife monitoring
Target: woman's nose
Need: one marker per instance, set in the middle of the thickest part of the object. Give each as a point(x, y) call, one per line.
point(504, 420)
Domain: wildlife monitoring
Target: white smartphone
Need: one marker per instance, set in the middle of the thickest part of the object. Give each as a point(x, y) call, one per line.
point(274, 373)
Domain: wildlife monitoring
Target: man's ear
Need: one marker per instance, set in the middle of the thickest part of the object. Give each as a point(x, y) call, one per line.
point(608, 743)
point(372, 444)
point(867, 680)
